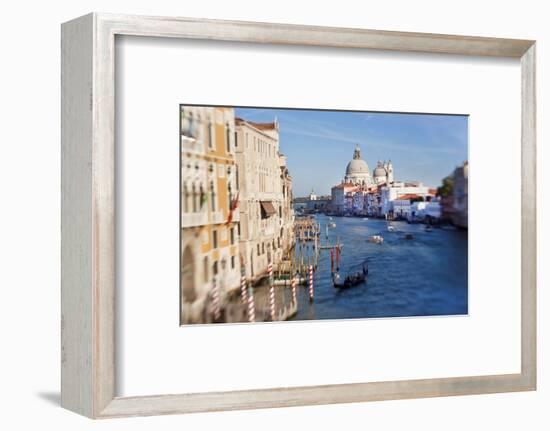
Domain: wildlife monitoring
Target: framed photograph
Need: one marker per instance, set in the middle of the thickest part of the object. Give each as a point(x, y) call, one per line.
point(267, 215)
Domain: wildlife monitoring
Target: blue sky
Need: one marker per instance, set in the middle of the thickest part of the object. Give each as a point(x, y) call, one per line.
point(319, 144)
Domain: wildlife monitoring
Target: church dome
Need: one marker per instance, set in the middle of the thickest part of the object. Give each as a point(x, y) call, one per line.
point(380, 172)
point(357, 166)
point(357, 171)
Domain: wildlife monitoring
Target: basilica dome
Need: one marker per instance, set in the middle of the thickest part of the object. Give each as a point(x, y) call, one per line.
point(357, 166)
point(380, 171)
point(357, 171)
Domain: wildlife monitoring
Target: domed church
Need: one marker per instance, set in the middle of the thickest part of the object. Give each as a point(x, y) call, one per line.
point(358, 173)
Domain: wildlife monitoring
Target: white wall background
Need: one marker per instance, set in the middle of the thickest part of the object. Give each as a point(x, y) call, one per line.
point(29, 216)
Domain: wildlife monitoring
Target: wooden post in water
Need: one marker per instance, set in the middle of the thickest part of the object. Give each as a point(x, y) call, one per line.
point(293, 287)
point(271, 291)
point(216, 300)
point(310, 283)
point(243, 285)
point(251, 308)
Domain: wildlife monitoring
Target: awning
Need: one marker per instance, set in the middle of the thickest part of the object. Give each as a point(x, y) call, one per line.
point(267, 209)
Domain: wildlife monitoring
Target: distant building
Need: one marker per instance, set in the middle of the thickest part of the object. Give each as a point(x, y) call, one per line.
point(361, 193)
point(209, 188)
point(425, 211)
point(357, 170)
point(454, 197)
point(338, 196)
point(388, 194)
point(460, 196)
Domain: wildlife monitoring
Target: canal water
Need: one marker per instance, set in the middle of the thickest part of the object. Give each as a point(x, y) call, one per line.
point(423, 276)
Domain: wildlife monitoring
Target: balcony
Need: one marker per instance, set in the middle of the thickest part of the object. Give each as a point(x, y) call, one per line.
point(191, 145)
point(194, 219)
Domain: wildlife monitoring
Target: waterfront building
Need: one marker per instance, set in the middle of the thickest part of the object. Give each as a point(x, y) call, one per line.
point(338, 196)
point(312, 195)
point(265, 203)
point(425, 210)
point(460, 196)
point(402, 207)
point(390, 193)
point(209, 217)
point(361, 193)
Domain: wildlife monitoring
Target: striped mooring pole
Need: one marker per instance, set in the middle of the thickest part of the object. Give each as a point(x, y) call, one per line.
point(310, 283)
point(293, 287)
point(216, 300)
point(251, 308)
point(271, 291)
point(243, 286)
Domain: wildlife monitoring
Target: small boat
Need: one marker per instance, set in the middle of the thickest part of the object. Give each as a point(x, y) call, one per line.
point(428, 228)
point(409, 236)
point(351, 279)
point(332, 224)
point(365, 218)
point(378, 239)
point(391, 228)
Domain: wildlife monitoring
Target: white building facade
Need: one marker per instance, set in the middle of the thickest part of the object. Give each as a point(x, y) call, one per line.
point(265, 203)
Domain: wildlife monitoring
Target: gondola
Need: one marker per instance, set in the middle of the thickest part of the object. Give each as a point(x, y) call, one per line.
point(350, 280)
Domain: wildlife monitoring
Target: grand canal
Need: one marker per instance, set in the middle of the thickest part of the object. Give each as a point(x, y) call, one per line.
point(423, 276)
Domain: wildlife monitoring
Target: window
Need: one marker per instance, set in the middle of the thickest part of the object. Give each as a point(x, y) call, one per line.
point(212, 196)
point(229, 195)
point(258, 247)
point(228, 137)
point(263, 247)
point(205, 269)
point(236, 141)
point(184, 199)
point(215, 238)
point(215, 268)
point(194, 197)
point(209, 133)
point(232, 233)
point(239, 228)
point(232, 262)
point(188, 124)
point(202, 197)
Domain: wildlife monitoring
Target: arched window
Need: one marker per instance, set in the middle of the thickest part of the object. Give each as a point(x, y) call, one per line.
point(209, 134)
point(185, 198)
point(202, 197)
point(229, 195)
point(205, 269)
point(194, 197)
point(228, 137)
point(212, 196)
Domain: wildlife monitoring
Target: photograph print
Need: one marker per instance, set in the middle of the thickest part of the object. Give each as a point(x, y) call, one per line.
point(300, 214)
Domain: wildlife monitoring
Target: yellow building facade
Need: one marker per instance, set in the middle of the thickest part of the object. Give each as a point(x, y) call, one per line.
point(208, 210)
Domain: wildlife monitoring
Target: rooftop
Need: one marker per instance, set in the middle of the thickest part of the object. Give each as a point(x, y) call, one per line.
point(259, 126)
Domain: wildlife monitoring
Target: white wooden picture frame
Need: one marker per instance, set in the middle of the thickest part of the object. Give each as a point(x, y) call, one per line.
point(88, 214)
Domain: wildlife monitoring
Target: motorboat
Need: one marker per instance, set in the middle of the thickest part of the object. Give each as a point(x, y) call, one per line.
point(378, 239)
point(409, 235)
point(391, 228)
